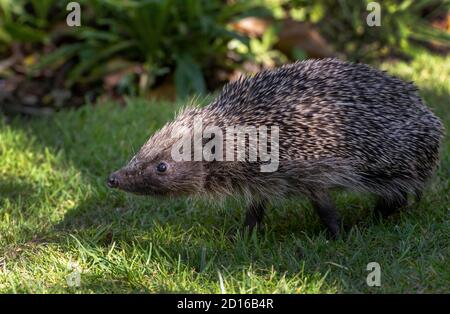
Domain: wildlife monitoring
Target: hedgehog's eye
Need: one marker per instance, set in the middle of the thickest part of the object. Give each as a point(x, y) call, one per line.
point(162, 166)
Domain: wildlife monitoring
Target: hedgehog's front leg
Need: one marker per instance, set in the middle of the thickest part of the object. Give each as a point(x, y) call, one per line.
point(324, 206)
point(254, 215)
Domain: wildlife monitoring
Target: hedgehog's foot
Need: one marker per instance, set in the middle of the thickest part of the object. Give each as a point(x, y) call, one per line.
point(254, 215)
point(324, 206)
point(385, 207)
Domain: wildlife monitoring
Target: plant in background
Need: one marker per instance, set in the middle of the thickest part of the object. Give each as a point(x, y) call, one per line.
point(24, 21)
point(129, 47)
point(141, 41)
point(260, 51)
point(344, 24)
point(180, 37)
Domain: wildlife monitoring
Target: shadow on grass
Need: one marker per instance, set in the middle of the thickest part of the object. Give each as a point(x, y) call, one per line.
point(15, 189)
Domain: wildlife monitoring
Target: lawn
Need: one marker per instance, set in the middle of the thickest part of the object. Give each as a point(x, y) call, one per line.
point(58, 218)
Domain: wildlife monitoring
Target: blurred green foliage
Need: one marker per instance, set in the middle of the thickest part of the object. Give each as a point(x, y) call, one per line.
point(17, 23)
point(179, 36)
point(187, 38)
point(344, 23)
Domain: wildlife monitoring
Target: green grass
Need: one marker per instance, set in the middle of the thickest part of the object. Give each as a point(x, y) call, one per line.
point(55, 208)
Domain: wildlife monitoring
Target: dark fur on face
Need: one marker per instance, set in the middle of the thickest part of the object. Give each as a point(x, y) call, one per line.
point(143, 175)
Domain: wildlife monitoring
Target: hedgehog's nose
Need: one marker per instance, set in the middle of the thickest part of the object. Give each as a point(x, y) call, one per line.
point(113, 181)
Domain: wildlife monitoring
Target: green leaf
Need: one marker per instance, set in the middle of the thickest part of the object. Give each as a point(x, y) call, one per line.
point(188, 77)
point(58, 56)
point(91, 57)
point(24, 33)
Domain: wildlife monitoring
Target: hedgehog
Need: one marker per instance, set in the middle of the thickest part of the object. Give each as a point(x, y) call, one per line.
point(339, 126)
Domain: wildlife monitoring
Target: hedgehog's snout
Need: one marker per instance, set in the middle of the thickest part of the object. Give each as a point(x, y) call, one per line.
point(123, 179)
point(113, 180)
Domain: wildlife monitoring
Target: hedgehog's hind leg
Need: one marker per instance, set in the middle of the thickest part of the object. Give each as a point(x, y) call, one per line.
point(254, 214)
point(325, 208)
point(386, 206)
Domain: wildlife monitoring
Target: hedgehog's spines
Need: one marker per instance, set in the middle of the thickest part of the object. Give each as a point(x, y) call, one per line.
point(342, 125)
